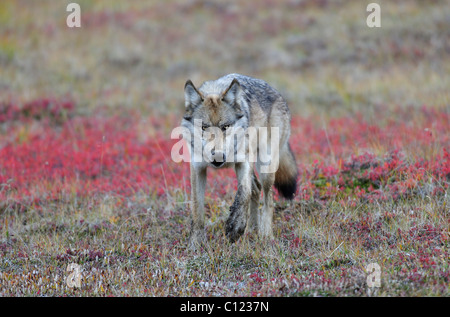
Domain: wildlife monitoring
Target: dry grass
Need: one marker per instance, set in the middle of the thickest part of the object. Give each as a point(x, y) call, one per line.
point(137, 55)
point(140, 250)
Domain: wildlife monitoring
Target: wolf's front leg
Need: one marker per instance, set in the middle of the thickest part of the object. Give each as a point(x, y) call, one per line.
point(237, 221)
point(198, 182)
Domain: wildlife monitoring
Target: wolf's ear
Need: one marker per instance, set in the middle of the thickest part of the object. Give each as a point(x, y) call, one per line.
point(231, 93)
point(191, 95)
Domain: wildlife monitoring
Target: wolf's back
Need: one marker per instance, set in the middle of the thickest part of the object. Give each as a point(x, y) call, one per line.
point(257, 89)
point(268, 97)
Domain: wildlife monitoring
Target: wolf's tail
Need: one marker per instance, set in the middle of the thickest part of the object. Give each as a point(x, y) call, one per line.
point(287, 173)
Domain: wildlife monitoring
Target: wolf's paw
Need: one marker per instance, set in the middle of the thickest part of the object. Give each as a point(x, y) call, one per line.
point(265, 234)
point(197, 239)
point(235, 227)
point(265, 231)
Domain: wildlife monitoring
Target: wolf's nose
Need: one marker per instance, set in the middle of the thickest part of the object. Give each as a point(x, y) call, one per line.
point(218, 158)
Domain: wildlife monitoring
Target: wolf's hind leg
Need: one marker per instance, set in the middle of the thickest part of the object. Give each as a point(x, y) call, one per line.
point(266, 214)
point(254, 204)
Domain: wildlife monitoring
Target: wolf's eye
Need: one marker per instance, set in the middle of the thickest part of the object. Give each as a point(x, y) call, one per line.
point(204, 127)
point(224, 127)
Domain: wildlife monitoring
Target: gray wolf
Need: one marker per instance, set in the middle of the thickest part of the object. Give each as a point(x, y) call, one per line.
point(231, 102)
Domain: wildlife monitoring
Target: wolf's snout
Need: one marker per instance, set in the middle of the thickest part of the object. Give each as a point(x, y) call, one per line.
point(218, 158)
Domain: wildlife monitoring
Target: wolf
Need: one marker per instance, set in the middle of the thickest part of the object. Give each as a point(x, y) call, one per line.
point(241, 102)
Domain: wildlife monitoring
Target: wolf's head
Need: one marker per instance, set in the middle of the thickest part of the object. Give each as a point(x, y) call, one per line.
point(216, 109)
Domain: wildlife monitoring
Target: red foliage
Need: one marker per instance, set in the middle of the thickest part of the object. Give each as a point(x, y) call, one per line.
point(49, 152)
point(37, 109)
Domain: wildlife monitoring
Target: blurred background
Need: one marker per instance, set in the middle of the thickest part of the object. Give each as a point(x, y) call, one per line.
point(138, 54)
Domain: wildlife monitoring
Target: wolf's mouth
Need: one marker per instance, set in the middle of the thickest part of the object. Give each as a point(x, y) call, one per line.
point(218, 159)
point(217, 164)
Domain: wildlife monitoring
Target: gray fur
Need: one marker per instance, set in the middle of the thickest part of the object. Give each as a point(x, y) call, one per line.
point(241, 101)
